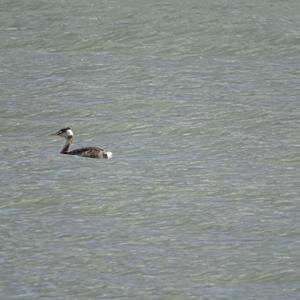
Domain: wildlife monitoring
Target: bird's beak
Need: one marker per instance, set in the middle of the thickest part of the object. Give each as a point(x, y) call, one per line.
point(53, 133)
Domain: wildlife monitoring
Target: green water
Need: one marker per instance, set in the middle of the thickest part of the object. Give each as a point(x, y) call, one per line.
point(199, 103)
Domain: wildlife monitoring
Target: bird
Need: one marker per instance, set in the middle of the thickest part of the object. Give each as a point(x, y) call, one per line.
point(92, 152)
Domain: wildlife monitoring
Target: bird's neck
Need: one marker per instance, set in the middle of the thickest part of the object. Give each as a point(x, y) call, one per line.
point(66, 146)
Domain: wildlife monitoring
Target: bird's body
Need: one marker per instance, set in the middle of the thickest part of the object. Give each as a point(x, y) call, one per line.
point(92, 152)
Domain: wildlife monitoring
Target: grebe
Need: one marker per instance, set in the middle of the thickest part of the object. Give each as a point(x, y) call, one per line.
point(92, 152)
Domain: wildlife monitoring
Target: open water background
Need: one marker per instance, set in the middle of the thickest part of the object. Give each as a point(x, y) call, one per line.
point(199, 103)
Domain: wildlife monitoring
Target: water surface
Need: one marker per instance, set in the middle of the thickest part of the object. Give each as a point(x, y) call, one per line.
point(199, 103)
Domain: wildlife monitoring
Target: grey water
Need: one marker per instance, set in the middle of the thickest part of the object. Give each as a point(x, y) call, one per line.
point(199, 103)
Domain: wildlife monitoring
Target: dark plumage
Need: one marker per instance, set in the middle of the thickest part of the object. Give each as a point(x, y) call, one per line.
point(93, 152)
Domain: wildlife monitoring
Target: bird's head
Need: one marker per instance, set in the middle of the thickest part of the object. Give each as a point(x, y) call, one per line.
point(66, 133)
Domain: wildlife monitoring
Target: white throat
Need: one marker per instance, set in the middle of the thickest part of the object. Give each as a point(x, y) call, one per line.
point(68, 134)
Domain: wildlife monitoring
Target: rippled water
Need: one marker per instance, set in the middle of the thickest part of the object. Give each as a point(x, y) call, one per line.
point(199, 103)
